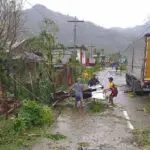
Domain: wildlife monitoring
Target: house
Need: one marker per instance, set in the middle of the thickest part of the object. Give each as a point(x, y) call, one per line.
point(63, 72)
point(84, 57)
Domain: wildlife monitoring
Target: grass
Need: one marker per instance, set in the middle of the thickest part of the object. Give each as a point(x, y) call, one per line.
point(142, 137)
point(97, 107)
point(56, 137)
point(83, 144)
point(26, 139)
point(147, 109)
point(132, 95)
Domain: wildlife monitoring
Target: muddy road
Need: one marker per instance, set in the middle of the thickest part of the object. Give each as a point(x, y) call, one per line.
point(109, 130)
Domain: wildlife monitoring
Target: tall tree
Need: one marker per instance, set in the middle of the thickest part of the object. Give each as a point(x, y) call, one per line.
point(45, 42)
point(10, 22)
point(10, 26)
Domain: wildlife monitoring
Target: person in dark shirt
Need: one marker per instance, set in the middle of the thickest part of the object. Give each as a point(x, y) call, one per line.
point(94, 81)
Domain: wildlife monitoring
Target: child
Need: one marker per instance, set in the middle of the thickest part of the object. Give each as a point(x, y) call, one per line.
point(85, 77)
point(113, 89)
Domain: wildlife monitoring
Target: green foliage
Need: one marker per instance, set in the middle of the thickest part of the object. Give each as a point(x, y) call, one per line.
point(97, 107)
point(56, 137)
point(123, 67)
point(147, 109)
point(7, 132)
point(142, 137)
point(44, 42)
point(30, 115)
point(35, 114)
point(83, 144)
point(47, 116)
point(74, 63)
point(45, 91)
point(92, 70)
point(132, 95)
point(23, 93)
point(49, 25)
point(19, 125)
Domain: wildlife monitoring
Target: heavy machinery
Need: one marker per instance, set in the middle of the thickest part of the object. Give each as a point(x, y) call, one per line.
point(138, 65)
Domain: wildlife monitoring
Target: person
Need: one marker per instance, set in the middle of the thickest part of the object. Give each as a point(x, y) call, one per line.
point(94, 81)
point(116, 68)
point(78, 89)
point(121, 69)
point(113, 89)
point(85, 77)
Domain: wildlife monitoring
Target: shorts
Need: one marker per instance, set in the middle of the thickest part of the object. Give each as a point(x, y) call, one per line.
point(79, 97)
point(111, 96)
point(85, 80)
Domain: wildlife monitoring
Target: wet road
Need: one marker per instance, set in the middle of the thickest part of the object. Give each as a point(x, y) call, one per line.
point(110, 130)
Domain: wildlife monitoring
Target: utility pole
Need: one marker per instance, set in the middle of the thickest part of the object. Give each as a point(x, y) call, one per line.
point(132, 59)
point(75, 21)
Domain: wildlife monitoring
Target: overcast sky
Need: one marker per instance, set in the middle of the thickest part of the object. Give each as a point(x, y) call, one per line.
point(106, 13)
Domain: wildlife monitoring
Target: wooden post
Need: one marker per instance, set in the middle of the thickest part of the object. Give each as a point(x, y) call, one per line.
point(15, 87)
point(31, 82)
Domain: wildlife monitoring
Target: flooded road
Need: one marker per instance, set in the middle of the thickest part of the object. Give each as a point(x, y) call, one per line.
point(109, 130)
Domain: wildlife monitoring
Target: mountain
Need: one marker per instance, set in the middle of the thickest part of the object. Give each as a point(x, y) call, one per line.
point(111, 40)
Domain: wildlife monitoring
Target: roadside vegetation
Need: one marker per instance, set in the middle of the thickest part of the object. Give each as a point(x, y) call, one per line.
point(142, 137)
point(132, 95)
point(122, 67)
point(84, 144)
point(16, 131)
point(55, 137)
point(93, 69)
point(97, 107)
point(147, 109)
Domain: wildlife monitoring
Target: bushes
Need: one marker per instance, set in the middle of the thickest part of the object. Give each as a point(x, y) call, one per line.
point(97, 107)
point(19, 125)
point(30, 115)
point(35, 114)
point(44, 91)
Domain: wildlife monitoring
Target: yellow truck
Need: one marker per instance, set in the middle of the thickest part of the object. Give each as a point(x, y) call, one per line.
point(138, 66)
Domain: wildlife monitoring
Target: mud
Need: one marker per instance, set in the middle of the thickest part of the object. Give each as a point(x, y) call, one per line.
point(105, 130)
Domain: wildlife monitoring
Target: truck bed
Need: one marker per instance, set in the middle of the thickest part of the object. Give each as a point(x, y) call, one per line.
point(136, 56)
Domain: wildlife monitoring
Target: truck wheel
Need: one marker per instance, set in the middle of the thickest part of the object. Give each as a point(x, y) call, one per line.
point(133, 86)
point(136, 87)
point(127, 80)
